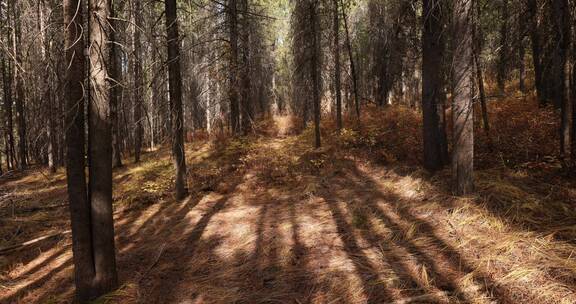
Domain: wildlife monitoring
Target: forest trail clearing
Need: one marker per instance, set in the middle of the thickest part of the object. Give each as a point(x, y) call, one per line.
point(271, 220)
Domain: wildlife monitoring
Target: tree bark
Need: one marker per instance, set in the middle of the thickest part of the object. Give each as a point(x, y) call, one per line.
point(10, 149)
point(573, 100)
point(482, 94)
point(138, 82)
point(175, 92)
point(75, 156)
point(315, 72)
point(462, 109)
point(536, 50)
point(337, 68)
point(47, 90)
point(477, 50)
point(115, 97)
point(503, 55)
point(561, 72)
point(521, 52)
point(20, 93)
point(432, 54)
point(352, 63)
point(573, 97)
point(247, 107)
point(233, 76)
point(100, 148)
point(115, 92)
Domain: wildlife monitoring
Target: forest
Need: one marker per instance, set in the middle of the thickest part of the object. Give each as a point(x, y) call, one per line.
point(288, 151)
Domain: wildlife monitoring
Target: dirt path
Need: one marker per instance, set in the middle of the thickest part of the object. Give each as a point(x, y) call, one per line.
point(291, 225)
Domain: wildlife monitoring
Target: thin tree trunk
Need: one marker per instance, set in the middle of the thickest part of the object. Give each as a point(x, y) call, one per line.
point(352, 64)
point(337, 72)
point(138, 82)
point(521, 53)
point(233, 93)
point(442, 109)
point(47, 93)
point(462, 109)
point(175, 91)
point(536, 50)
point(482, 95)
point(477, 50)
point(10, 154)
point(20, 93)
point(561, 72)
point(7, 88)
point(115, 94)
point(315, 71)
point(247, 108)
point(503, 58)
point(573, 100)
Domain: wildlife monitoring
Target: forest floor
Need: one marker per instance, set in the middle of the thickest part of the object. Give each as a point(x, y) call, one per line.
point(271, 220)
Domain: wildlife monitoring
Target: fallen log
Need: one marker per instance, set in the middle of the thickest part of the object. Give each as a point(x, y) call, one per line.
point(9, 249)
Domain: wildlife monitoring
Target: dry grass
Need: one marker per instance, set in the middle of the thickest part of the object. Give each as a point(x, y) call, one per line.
point(271, 220)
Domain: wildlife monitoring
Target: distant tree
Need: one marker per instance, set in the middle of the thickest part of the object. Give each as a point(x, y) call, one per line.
point(47, 89)
point(503, 55)
point(477, 50)
point(337, 68)
point(115, 73)
point(353, 71)
point(532, 8)
point(138, 81)
point(19, 80)
point(521, 39)
point(246, 77)
point(315, 68)
point(232, 11)
point(9, 122)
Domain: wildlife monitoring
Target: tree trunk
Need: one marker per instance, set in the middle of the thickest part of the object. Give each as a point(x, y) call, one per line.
point(47, 90)
point(536, 50)
point(233, 93)
point(315, 72)
point(477, 50)
point(138, 82)
point(115, 92)
point(75, 158)
point(175, 91)
point(352, 64)
point(561, 72)
point(462, 109)
point(247, 108)
point(20, 93)
point(521, 52)
point(573, 100)
point(337, 72)
point(100, 148)
point(503, 56)
point(432, 53)
point(10, 150)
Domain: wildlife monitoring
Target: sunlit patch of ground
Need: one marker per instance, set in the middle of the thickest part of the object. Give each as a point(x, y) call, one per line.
point(271, 220)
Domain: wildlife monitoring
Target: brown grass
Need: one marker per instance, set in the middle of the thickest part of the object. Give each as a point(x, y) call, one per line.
point(271, 220)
